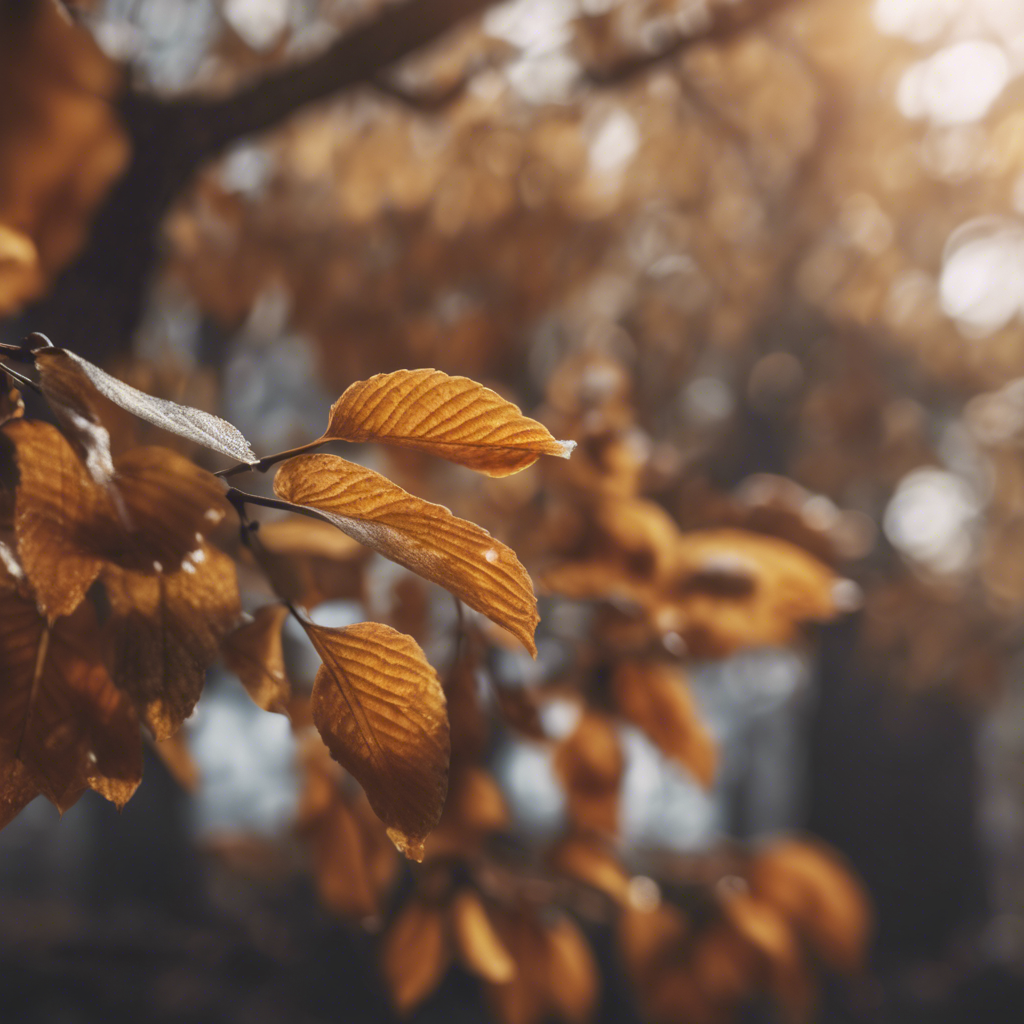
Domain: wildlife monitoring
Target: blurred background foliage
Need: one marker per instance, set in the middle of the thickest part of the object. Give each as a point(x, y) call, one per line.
point(762, 259)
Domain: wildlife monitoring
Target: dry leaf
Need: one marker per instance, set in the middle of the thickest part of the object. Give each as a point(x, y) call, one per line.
point(150, 517)
point(572, 974)
point(60, 714)
point(452, 417)
point(68, 382)
point(12, 406)
point(415, 955)
point(426, 538)
point(478, 943)
point(166, 632)
point(255, 653)
point(17, 790)
point(589, 763)
point(589, 861)
point(340, 864)
point(811, 887)
point(380, 709)
point(655, 698)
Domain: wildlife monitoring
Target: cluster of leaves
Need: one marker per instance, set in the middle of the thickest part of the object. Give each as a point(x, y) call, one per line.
point(116, 600)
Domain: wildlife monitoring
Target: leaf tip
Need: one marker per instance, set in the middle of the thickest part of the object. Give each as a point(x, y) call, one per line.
point(566, 448)
point(412, 848)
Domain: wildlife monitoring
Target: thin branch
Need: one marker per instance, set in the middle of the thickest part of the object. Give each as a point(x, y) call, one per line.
point(726, 20)
point(271, 460)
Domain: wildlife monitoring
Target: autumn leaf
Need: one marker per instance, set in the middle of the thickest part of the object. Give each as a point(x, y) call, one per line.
point(167, 630)
point(589, 861)
point(415, 954)
point(69, 381)
point(589, 763)
point(151, 516)
point(12, 406)
point(255, 653)
point(426, 538)
point(380, 709)
point(452, 417)
point(17, 790)
point(479, 945)
point(61, 716)
point(655, 698)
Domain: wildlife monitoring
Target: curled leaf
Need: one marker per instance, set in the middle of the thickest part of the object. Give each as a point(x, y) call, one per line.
point(255, 654)
point(426, 538)
point(380, 709)
point(452, 417)
point(68, 381)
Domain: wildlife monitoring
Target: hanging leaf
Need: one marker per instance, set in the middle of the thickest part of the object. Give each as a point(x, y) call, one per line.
point(68, 381)
point(479, 946)
point(452, 417)
point(255, 653)
point(589, 763)
point(654, 697)
point(151, 516)
point(60, 714)
point(167, 630)
point(426, 538)
point(415, 955)
point(380, 709)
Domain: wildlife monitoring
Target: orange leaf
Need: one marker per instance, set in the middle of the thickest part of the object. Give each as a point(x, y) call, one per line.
point(415, 955)
point(589, 763)
point(478, 943)
point(255, 653)
point(60, 714)
point(380, 709)
point(452, 417)
point(426, 538)
point(167, 631)
point(654, 697)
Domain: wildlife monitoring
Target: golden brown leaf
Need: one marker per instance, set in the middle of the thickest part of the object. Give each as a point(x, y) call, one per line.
point(415, 955)
point(820, 896)
point(255, 653)
point(167, 631)
point(149, 517)
point(380, 709)
point(453, 417)
point(589, 763)
point(474, 808)
point(57, 504)
point(478, 943)
point(426, 538)
point(655, 698)
point(60, 714)
point(340, 862)
point(17, 790)
point(12, 406)
point(589, 861)
point(572, 973)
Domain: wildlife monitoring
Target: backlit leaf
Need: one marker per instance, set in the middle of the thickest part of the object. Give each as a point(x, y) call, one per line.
point(255, 653)
point(68, 381)
point(589, 763)
point(452, 417)
point(380, 709)
point(478, 943)
point(167, 630)
point(654, 697)
point(426, 538)
point(415, 955)
point(60, 714)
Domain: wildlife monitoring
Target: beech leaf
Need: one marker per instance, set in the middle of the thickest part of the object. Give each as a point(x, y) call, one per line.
point(426, 538)
point(478, 943)
point(68, 380)
point(379, 707)
point(452, 417)
point(655, 698)
point(255, 653)
point(61, 716)
point(167, 630)
point(415, 955)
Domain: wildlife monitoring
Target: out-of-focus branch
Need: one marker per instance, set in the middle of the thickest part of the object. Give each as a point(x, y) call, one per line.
point(359, 56)
point(722, 21)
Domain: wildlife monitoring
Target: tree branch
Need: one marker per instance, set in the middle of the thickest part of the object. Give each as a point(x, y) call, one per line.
point(358, 56)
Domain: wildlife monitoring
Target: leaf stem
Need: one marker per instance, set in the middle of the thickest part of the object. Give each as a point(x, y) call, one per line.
point(21, 378)
point(271, 460)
